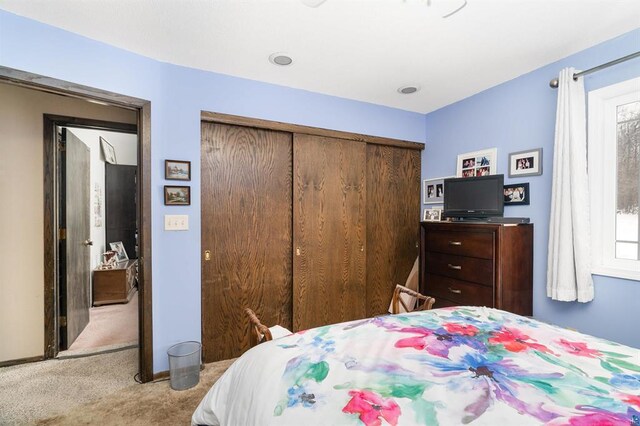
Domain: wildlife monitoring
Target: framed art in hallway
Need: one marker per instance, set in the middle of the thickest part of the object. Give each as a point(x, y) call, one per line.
point(517, 194)
point(525, 163)
point(477, 163)
point(109, 151)
point(177, 195)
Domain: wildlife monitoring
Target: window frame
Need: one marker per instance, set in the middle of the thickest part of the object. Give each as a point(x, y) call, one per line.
point(602, 159)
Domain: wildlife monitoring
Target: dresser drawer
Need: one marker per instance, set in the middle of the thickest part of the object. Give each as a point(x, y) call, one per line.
point(460, 267)
point(475, 244)
point(459, 292)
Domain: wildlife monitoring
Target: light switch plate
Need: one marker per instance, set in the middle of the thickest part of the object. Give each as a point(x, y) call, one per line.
point(176, 222)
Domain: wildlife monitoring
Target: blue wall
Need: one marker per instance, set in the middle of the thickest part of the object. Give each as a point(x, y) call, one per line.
point(519, 115)
point(177, 96)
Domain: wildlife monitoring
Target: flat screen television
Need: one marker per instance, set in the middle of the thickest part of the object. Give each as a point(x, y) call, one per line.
point(474, 197)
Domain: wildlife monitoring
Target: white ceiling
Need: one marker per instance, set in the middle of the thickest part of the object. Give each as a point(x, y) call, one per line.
point(362, 50)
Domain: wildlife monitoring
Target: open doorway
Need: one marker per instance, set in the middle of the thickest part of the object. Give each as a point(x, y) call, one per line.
point(79, 161)
point(32, 221)
point(98, 248)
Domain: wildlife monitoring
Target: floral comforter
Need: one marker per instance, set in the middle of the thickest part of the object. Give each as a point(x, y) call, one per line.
point(442, 367)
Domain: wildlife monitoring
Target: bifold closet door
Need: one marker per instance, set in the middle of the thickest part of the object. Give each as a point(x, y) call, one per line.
point(329, 213)
point(246, 201)
point(393, 221)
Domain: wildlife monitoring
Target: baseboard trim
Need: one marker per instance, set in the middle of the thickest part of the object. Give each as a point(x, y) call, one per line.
point(161, 375)
point(90, 352)
point(21, 361)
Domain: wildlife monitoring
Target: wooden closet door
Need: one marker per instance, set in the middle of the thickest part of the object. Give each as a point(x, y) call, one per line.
point(393, 221)
point(246, 227)
point(329, 231)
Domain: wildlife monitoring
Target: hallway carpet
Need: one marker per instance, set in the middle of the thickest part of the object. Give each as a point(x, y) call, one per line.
point(109, 325)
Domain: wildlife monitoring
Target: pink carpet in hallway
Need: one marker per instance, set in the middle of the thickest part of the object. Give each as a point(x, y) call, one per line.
point(110, 325)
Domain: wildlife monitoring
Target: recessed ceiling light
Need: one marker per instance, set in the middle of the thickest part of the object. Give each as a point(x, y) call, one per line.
point(280, 59)
point(407, 90)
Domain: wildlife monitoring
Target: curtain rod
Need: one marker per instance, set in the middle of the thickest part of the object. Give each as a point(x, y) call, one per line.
point(554, 83)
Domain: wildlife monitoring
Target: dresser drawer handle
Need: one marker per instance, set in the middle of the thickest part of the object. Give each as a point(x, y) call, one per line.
point(455, 243)
point(455, 290)
point(456, 267)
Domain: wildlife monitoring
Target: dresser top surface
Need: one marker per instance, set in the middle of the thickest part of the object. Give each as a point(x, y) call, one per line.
point(125, 264)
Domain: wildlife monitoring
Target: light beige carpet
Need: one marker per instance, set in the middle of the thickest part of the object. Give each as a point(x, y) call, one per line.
point(42, 389)
point(96, 390)
point(148, 404)
point(109, 325)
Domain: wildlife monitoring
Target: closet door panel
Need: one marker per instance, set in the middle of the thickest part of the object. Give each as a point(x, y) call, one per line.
point(393, 219)
point(329, 231)
point(246, 197)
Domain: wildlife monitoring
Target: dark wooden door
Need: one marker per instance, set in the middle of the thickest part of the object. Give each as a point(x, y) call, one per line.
point(120, 206)
point(329, 231)
point(393, 221)
point(246, 234)
point(75, 239)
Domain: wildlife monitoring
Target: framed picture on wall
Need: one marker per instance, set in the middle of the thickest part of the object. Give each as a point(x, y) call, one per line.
point(108, 151)
point(177, 170)
point(433, 190)
point(517, 194)
point(177, 195)
point(477, 163)
point(525, 163)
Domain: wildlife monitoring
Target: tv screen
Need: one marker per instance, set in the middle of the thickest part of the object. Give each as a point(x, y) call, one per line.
point(474, 197)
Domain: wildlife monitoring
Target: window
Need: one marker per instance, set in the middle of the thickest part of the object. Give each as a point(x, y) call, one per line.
point(614, 178)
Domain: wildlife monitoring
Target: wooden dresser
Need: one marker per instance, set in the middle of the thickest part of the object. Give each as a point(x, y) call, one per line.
point(477, 264)
point(115, 285)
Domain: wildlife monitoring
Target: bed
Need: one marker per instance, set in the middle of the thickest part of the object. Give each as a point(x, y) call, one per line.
point(446, 366)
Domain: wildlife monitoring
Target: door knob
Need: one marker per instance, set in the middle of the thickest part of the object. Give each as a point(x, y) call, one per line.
point(207, 255)
point(88, 243)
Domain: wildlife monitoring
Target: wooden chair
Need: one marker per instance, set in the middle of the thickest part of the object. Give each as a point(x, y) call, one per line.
point(420, 301)
point(258, 332)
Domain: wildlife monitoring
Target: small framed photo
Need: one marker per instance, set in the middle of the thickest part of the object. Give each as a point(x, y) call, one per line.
point(121, 254)
point(477, 163)
point(517, 194)
point(433, 190)
point(108, 151)
point(431, 215)
point(177, 195)
point(525, 163)
point(177, 170)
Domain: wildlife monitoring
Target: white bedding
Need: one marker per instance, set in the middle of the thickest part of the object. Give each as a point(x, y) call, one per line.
point(452, 366)
point(244, 395)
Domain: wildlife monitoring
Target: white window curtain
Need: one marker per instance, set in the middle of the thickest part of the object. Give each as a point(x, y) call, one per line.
point(569, 261)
